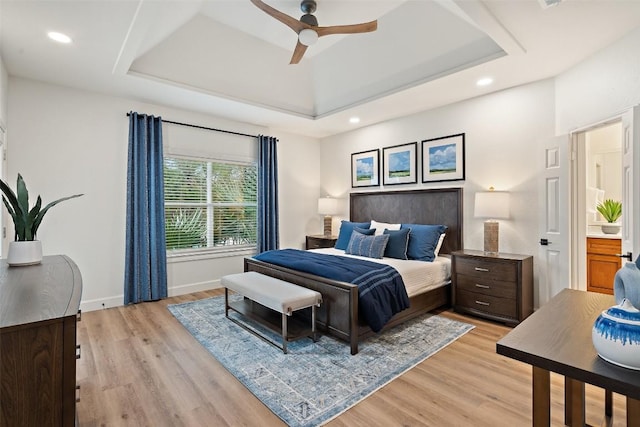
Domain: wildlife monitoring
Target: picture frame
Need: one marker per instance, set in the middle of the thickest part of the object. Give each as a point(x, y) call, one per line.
point(400, 163)
point(365, 169)
point(443, 158)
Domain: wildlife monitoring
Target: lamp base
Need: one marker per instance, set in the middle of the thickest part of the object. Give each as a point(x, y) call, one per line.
point(491, 237)
point(327, 226)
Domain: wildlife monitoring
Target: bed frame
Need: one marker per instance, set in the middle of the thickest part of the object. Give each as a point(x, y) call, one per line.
point(338, 314)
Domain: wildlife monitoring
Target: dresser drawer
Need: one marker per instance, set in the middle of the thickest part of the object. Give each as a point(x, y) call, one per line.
point(486, 303)
point(486, 286)
point(487, 269)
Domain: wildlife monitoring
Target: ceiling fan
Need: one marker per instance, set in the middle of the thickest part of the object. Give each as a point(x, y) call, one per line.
point(307, 27)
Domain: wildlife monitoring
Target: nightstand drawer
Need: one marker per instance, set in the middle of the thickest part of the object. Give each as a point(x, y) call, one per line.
point(318, 242)
point(487, 269)
point(486, 286)
point(487, 303)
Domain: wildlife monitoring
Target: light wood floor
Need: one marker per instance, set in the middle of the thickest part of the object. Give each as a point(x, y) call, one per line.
point(140, 367)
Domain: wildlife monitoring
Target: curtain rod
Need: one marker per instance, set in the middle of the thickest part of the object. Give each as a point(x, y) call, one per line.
point(205, 128)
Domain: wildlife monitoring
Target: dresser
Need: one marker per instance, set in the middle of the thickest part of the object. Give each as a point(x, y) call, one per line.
point(39, 308)
point(320, 241)
point(497, 287)
point(603, 261)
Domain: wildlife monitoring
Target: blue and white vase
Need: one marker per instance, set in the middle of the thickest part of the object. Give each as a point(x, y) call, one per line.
point(626, 283)
point(616, 335)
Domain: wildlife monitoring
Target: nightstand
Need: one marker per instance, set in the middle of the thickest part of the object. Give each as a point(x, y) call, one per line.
point(497, 287)
point(320, 241)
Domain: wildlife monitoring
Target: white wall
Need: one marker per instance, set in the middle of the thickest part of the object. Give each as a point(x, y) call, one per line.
point(4, 85)
point(600, 87)
point(66, 141)
point(502, 135)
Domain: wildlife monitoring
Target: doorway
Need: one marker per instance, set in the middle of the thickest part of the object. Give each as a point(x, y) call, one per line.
point(597, 177)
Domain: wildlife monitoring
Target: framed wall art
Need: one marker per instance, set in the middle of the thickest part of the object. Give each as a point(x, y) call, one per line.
point(365, 169)
point(400, 163)
point(443, 158)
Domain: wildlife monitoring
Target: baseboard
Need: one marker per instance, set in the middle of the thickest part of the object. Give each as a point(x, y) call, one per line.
point(118, 300)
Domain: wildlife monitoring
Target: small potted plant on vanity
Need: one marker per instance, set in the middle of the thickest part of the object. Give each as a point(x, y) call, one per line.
point(611, 210)
point(25, 250)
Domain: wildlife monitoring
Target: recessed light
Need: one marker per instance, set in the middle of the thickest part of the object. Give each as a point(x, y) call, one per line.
point(354, 120)
point(59, 37)
point(485, 81)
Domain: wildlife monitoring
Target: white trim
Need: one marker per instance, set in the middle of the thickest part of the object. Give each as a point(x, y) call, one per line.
point(118, 300)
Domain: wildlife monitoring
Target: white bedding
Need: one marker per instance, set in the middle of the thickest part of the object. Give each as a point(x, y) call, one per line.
point(418, 276)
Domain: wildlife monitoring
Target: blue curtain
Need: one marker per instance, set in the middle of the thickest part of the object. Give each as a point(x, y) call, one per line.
point(268, 232)
point(145, 257)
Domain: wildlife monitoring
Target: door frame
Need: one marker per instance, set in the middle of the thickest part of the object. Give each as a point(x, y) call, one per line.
point(577, 173)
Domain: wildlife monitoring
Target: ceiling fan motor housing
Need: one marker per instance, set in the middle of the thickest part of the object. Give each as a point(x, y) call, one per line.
point(308, 7)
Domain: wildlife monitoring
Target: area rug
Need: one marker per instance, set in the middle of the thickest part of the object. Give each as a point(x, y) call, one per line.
point(314, 382)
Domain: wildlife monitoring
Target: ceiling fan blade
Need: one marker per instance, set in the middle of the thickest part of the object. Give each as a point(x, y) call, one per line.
point(290, 22)
point(298, 53)
point(365, 27)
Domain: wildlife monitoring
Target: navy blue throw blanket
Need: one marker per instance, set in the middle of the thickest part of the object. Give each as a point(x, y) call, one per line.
point(381, 291)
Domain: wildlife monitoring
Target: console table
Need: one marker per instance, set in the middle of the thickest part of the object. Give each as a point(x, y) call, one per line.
point(557, 338)
point(38, 314)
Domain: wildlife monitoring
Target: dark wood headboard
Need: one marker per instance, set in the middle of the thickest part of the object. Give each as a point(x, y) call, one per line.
point(433, 206)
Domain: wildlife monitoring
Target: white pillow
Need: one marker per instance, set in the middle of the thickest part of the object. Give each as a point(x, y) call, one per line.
point(380, 227)
point(435, 252)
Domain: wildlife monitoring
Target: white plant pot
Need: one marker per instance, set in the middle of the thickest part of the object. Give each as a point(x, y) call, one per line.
point(610, 228)
point(25, 253)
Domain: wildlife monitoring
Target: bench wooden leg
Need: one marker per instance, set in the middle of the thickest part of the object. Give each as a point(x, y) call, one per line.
point(284, 333)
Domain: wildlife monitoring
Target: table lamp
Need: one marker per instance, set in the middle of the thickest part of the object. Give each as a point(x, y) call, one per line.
point(492, 205)
point(327, 206)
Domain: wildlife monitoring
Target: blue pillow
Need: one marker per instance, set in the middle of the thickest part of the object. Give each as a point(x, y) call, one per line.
point(365, 231)
point(423, 240)
point(398, 243)
point(369, 246)
point(346, 228)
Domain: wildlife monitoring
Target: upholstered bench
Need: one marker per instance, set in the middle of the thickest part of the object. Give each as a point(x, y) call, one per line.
point(275, 294)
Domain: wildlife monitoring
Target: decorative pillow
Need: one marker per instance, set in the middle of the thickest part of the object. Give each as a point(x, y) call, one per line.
point(398, 243)
point(365, 231)
point(369, 246)
point(346, 228)
point(423, 240)
point(381, 226)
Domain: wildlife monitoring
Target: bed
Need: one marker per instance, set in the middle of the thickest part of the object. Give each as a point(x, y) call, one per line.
point(338, 314)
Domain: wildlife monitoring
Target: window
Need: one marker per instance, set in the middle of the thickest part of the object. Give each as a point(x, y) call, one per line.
point(209, 204)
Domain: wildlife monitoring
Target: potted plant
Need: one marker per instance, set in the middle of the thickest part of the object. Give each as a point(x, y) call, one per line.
point(25, 250)
point(611, 210)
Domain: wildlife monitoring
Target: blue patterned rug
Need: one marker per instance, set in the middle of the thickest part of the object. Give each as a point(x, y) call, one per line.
point(314, 382)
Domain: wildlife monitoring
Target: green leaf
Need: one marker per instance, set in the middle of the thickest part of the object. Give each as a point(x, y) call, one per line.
point(610, 210)
point(38, 219)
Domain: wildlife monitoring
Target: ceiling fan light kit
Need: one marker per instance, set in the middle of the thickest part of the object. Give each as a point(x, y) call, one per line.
point(308, 37)
point(307, 26)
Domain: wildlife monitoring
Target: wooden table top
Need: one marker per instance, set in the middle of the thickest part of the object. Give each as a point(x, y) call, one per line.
point(49, 290)
point(557, 337)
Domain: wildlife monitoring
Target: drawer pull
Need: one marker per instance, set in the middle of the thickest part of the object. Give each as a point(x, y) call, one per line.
point(482, 303)
point(482, 269)
point(478, 285)
point(78, 351)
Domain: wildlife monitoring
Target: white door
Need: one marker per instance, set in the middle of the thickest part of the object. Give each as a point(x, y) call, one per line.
point(553, 256)
point(630, 175)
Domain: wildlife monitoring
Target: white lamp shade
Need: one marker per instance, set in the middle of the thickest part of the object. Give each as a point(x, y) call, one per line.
point(327, 206)
point(492, 204)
